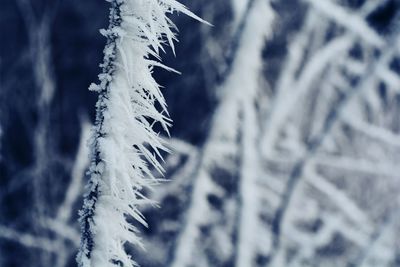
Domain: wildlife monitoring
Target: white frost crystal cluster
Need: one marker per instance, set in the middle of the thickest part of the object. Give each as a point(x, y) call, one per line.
point(124, 144)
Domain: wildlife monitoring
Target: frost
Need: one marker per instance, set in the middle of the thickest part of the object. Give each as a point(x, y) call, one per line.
point(124, 144)
point(94, 87)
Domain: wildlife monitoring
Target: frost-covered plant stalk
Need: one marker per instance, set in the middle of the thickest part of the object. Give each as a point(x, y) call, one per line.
point(124, 144)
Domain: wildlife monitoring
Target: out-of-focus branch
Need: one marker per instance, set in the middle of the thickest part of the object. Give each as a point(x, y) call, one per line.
point(351, 21)
point(28, 240)
point(376, 245)
point(350, 164)
point(333, 117)
point(78, 172)
point(338, 197)
point(332, 120)
point(222, 144)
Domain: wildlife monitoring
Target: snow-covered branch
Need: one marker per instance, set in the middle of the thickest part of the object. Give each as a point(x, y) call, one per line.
point(124, 141)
